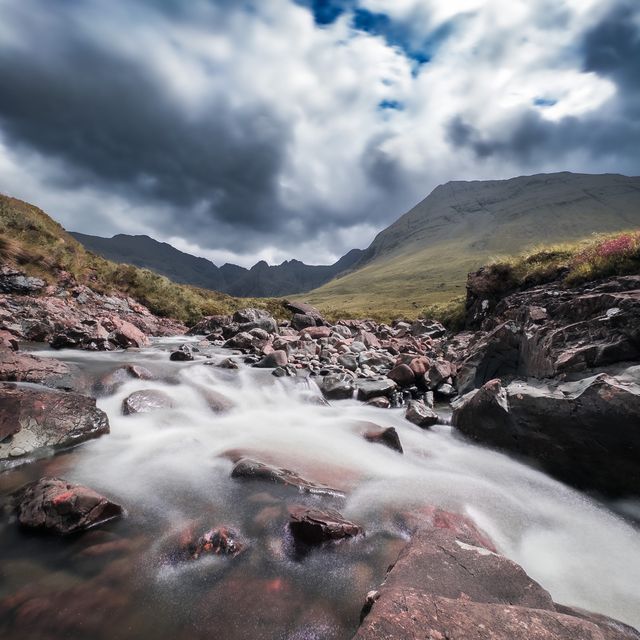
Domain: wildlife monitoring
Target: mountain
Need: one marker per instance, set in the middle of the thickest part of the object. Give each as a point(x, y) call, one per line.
point(424, 256)
point(262, 280)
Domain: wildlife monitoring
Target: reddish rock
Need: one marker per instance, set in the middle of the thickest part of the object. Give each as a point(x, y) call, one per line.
point(31, 420)
point(188, 545)
point(57, 506)
point(124, 334)
point(314, 526)
point(315, 333)
point(19, 366)
point(146, 401)
point(403, 375)
point(381, 402)
point(274, 359)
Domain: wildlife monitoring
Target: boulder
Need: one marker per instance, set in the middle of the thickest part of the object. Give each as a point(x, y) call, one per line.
point(348, 361)
point(183, 354)
point(437, 373)
point(403, 375)
point(220, 541)
point(209, 324)
point(337, 387)
point(124, 334)
point(19, 366)
point(110, 382)
point(314, 526)
point(447, 585)
point(584, 433)
point(146, 401)
point(57, 506)
point(249, 469)
point(368, 389)
point(32, 419)
point(303, 308)
point(315, 333)
point(273, 360)
point(381, 402)
point(420, 414)
point(250, 314)
point(301, 321)
point(16, 282)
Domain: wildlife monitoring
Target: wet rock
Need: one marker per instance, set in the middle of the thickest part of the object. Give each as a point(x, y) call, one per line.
point(388, 437)
point(57, 506)
point(246, 468)
point(314, 526)
point(228, 363)
point(348, 361)
point(403, 375)
point(18, 366)
point(243, 340)
point(368, 389)
point(445, 586)
point(221, 541)
point(124, 334)
point(183, 354)
point(447, 390)
point(110, 382)
point(218, 402)
point(273, 359)
point(146, 401)
point(337, 387)
point(421, 415)
point(31, 420)
point(568, 428)
point(440, 371)
point(381, 402)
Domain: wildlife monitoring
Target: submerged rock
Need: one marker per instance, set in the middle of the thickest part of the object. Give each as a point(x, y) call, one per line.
point(57, 506)
point(183, 354)
point(388, 437)
point(32, 419)
point(146, 401)
point(315, 526)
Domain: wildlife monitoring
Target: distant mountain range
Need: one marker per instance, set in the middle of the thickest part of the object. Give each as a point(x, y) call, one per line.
point(424, 256)
point(262, 280)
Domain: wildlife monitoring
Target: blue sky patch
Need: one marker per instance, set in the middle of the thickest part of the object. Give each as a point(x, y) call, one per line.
point(544, 102)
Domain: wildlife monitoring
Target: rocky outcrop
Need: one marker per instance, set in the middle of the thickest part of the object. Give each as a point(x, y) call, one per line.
point(584, 433)
point(19, 366)
point(448, 585)
point(31, 420)
point(56, 506)
point(552, 330)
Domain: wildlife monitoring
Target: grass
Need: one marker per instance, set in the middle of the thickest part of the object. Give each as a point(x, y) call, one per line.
point(34, 242)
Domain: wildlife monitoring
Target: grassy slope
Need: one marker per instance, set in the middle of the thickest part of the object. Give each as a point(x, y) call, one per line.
point(423, 259)
point(30, 239)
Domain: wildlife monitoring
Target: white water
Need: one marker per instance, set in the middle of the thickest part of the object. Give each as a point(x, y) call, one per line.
point(167, 464)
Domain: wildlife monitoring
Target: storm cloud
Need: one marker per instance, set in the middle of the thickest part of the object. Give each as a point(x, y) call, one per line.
point(278, 129)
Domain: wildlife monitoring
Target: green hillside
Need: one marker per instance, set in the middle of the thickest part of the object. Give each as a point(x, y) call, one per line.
point(424, 257)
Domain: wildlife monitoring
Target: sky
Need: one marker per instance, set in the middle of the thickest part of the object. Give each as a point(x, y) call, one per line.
point(276, 129)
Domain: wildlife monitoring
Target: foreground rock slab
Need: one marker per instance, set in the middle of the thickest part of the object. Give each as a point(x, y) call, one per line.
point(17, 366)
point(584, 433)
point(32, 419)
point(57, 506)
point(445, 586)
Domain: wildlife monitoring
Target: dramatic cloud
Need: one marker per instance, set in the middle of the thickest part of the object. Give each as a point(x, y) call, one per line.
point(299, 128)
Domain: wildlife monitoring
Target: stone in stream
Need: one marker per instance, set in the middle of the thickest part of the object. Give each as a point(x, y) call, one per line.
point(33, 419)
point(188, 545)
point(183, 354)
point(314, 526)
point(447, 585)
point(403, 375)
point(146, 401)
point(18, 366)
point(381, 402)
point(272, 360)
point(110, 382)
point(249, 469)
point(388, 437)
point(336, 387)
point(348, 361)
point(420, 414)
point(368, 389)
point(57, 506)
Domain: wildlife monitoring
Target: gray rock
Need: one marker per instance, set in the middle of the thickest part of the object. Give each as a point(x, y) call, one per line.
point(421, 415)
point(146, 401)
point(368, 389)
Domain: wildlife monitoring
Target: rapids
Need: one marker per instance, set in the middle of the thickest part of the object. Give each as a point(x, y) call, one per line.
point(171, 468)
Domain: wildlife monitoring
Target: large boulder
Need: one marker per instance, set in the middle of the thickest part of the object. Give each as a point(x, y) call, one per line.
point(209, 324)
point(337, 386)
point(447, 585)
point(57, 506)
point(31, 420)
point(368, 389)
point(302, 308)
point(584, 433)
point(18, 366)
point(12, 281)
point(146, 401)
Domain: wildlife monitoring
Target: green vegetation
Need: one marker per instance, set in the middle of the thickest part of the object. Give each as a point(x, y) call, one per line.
point(31, 240)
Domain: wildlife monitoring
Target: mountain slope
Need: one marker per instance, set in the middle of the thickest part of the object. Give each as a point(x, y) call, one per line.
point(262, 280)
point(425, 255)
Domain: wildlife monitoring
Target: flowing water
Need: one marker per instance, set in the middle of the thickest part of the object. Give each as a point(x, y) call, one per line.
point(171, 471)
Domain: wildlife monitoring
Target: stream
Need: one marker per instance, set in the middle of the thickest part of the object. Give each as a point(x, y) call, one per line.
point(170, 469)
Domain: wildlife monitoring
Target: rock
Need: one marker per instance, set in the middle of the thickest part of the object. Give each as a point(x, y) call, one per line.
point(439, 371)
point(123, 334)
point(387, 437)
point(221, 541)
point(228, 363)
point(429, 328)
point(243, 341)
point(250, 315)
point(421, 415)
point(57, 506)
point(31, 420)
point(348, 361)
point(12, 281)
point(380, 401)
point(209, 324)
point(337, 387)
point(18, 366)
point(304, 309)
point(273, 359)
point(218, 402)
point(110, 382)
point(570, 429)
point(247, 468)
point(357, 346)
point(146, 401)
point(444, 585)
point(447, 390)
point(301, 321)
point(314, 526)
point(368, 389)
point(403, 375)
point(8, 341)
point(183, 354)
point(315, 333)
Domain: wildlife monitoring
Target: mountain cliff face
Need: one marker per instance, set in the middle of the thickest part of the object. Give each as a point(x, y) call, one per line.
point(425, 255)
point(262, 280)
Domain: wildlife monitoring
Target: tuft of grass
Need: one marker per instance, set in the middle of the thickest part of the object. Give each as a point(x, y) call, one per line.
point(33, 241)
point(451, 313)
